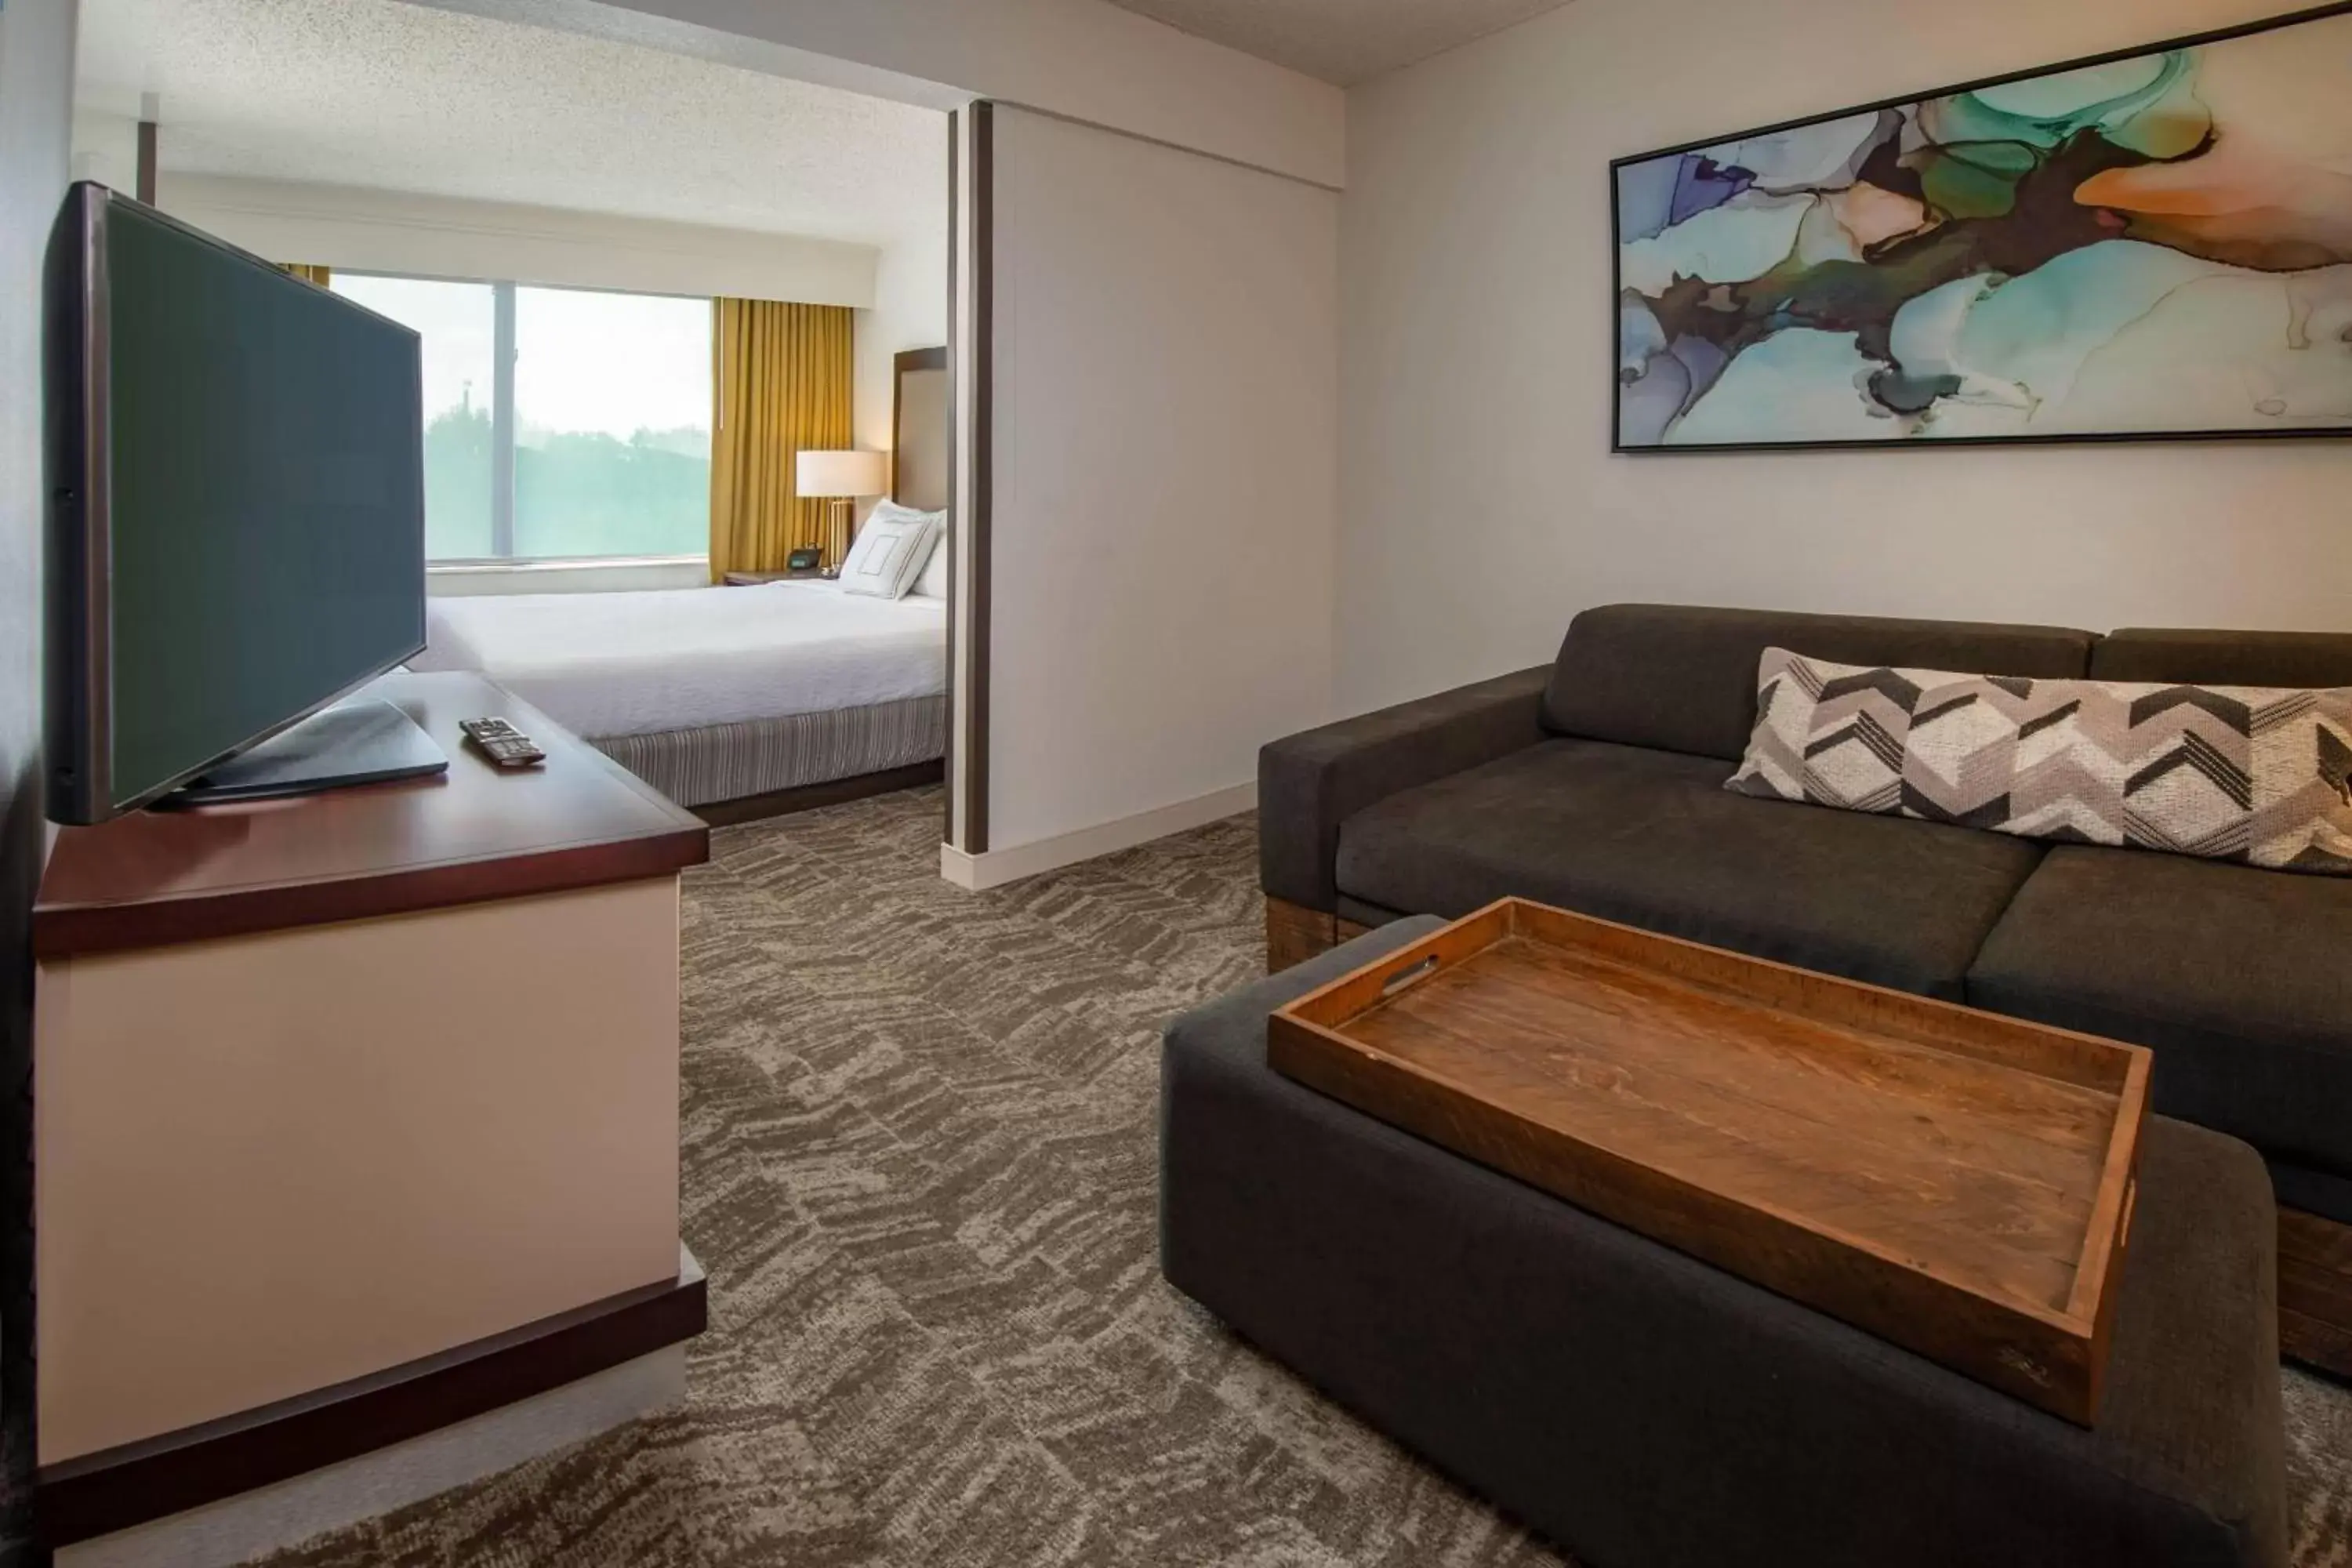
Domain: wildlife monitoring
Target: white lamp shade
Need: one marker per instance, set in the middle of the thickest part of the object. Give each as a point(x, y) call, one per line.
point(839, 474)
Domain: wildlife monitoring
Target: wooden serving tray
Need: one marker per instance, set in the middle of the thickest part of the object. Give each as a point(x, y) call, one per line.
point(1956, 1182)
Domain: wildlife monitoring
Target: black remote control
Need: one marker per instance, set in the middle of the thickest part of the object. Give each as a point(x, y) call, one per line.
point(502, 742)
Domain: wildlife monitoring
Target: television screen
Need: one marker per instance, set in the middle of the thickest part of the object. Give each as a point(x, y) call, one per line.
point(246, 540)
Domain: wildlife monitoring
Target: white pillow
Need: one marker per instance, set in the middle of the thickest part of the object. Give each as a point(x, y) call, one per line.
point(933, 583)
point(886, 507)
point(890, 553)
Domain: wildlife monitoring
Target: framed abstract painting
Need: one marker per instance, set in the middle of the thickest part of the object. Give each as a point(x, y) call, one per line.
point(2149, 244)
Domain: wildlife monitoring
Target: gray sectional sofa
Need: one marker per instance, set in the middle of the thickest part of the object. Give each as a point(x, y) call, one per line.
point(1596, 783)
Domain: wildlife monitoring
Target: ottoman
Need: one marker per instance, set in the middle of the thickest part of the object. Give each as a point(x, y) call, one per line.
point(1646, 1410)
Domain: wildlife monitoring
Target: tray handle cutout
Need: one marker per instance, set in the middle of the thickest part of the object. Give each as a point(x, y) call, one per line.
point(1411, 974)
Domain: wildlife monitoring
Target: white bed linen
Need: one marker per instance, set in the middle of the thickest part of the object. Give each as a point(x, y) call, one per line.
point(641, 662)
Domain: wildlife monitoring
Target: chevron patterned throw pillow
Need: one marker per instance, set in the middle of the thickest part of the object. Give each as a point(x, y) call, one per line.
point(2257, 775)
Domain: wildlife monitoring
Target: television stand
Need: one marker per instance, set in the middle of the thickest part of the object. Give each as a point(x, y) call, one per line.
point(357, 1123)
point(364, 740)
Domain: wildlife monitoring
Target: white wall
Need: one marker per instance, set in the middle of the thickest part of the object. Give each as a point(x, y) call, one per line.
point(1481, 505)
point(36, 71)
point(393, 231)
point(1081, 58)
point(1165, 424)
point(910, 312)
point(105, 149)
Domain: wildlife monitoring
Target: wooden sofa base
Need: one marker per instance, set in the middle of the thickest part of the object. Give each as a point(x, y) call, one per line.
point(2315, 1285)
point(1294, 933)
point(2314, 1254)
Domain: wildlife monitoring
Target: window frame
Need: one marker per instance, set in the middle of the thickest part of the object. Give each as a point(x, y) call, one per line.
point(504, 430)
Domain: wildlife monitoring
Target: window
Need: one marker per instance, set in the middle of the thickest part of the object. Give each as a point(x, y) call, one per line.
point(559, 422)
point(612, 423)
point(455, 320)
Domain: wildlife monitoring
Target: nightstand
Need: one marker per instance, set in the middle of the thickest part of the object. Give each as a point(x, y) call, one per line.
point(753, 579)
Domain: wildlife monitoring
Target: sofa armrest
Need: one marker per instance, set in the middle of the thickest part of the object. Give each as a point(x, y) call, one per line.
point(1308, 783)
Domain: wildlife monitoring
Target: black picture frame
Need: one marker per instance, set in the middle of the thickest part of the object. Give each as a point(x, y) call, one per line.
point(1617, 444)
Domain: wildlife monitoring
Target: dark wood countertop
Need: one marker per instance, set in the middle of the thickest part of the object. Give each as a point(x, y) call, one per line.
point(476, 833)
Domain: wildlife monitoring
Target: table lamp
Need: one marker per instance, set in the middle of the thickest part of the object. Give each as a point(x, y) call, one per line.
point(839, 478)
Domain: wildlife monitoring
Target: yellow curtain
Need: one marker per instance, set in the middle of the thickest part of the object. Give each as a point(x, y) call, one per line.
point(783, 375)
point(309, 272)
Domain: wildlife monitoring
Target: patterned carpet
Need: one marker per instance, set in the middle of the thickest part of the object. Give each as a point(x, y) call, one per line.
point(919, 1168)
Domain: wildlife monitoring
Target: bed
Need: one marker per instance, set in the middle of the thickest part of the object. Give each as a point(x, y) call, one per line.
point(717, 694)
point(744, 702)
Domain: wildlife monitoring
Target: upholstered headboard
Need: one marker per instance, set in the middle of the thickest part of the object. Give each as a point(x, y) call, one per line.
point(919, 443)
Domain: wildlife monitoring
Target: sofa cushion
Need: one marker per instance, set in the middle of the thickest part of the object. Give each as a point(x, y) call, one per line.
point(1683, 678)
point(1654, 840)
point(2181, 657)
point(2254, 774)
point(1310, 783)
point(2235, 977)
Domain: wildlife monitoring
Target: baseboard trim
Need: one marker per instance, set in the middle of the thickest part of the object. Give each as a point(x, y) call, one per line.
point(98, 1494)
point(995, 867)
point(257, 1525)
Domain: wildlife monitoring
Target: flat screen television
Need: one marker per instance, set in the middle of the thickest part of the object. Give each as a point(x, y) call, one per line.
point(237, 527)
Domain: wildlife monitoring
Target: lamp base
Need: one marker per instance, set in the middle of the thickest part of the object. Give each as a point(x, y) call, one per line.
point(836, 549)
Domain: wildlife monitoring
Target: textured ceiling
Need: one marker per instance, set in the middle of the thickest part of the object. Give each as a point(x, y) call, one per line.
point(410, 98)
point(1342, 41)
